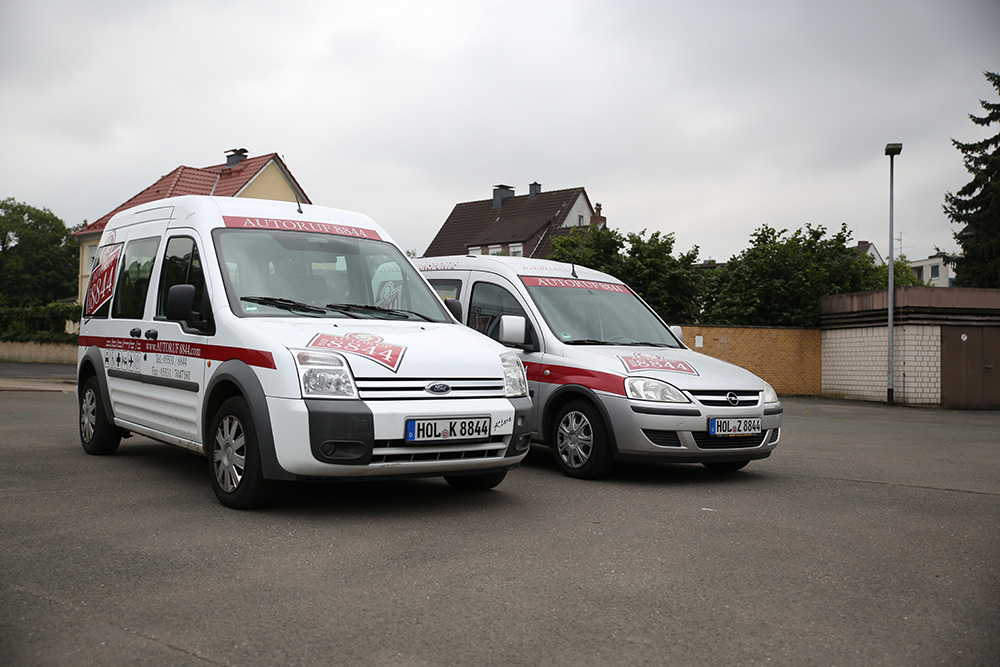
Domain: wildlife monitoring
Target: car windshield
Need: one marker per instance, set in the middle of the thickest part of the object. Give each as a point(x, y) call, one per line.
point(283, 273)
point(587, 312)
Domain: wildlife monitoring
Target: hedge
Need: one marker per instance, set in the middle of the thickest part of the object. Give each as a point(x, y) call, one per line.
point(38, 324)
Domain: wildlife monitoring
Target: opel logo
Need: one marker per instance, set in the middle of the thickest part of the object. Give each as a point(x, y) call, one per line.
point(733, 398)
point(439, 388)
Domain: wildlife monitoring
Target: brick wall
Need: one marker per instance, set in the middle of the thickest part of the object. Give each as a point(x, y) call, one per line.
point(855, 363)
point(789, 359)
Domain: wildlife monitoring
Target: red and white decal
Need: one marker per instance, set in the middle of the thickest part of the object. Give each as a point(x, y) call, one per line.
point(536, 281)
point(364, 344)
point(646, 361)
point(207, 352)
point(102, 279)
point(300, 226)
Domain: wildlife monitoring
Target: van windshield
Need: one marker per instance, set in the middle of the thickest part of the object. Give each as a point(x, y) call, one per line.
point(282, 273)
point(587, 312)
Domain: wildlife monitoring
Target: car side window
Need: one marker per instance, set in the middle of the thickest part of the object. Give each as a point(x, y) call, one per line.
point(133, 281)
point(181, 266)
point(488, 303)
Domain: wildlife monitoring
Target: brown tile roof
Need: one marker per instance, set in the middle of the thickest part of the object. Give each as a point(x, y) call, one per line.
point(521, 219)
point(219, 180)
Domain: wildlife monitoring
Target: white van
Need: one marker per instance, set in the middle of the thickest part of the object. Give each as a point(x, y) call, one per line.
point(608, 379)
point(250, 331)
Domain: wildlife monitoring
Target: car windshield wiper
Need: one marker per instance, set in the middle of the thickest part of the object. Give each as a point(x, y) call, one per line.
point(588, 341)
point(360, 308)
point(284, 304)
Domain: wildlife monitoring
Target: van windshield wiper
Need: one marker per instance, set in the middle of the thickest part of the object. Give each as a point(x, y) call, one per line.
point(646, 343)
point(284, 304)
point(360, 308)
point(588, 341)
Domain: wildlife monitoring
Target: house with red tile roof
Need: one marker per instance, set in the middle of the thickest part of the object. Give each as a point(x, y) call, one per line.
point(261, 177)
point(515, 225)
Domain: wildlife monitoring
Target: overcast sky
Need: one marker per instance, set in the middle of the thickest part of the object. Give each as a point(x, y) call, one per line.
point(705, 119)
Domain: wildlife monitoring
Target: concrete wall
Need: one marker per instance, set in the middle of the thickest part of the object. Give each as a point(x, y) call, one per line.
point(789, 359)
point(47, 353)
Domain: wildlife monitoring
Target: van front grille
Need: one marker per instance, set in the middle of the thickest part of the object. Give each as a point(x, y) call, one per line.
point(396, 389)
point(400, 451)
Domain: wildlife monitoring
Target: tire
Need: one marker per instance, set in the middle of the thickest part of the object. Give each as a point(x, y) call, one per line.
point(480, 482)
point(725, 466)
point(234, 458)
point(97, 435)
point(580, 441)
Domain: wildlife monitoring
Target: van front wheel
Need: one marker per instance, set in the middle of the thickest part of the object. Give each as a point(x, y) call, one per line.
point(234, 457)
point(580, 441)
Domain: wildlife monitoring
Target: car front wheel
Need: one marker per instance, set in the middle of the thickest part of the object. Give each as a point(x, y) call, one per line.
point(580, 440)
point(234, 457)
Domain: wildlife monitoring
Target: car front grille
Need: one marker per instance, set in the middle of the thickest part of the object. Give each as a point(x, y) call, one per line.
point(395, 389)
point(705, 440)
point(400, 451)
point(721, 397)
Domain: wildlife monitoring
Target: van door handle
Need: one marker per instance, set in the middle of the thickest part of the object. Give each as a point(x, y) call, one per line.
point(135, 333)
point(989, 367)
point(151, 334)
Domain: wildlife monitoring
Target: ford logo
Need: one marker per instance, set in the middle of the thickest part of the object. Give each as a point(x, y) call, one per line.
point(439, 388)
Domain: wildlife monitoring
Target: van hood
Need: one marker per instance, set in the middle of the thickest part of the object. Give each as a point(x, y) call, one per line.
point(377, 348)
point(682, 368)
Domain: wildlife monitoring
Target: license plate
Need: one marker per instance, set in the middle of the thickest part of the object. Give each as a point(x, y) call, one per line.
point(733, 426)
point(418, 430)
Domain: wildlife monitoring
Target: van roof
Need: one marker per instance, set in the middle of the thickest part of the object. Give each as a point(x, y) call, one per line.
point(207, 213)
point(519, 266)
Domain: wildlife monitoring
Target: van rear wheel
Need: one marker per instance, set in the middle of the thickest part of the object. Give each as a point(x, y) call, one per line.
point(97, 435)
point(580, 441)
point(234, 457)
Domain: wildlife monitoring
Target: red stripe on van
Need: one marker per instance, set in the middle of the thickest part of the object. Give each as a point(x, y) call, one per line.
point(210, 352)
point(596, 380)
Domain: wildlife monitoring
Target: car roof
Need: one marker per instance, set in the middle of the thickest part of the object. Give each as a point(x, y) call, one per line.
point(519, 266)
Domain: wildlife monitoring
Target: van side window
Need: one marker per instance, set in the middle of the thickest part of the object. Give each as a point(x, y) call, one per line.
point(133, 281)
point(181, 266)
point(488, 303)
point(447, 288)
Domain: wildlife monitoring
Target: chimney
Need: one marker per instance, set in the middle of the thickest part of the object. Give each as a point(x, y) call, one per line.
point(534, 189)
point(500, 193)
point(598, 220)
point(235, 155)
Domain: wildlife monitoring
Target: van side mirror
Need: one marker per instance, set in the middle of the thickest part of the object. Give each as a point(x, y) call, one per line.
point(180, 308)
point(677, 331)
point(512, 330)
point(454, 307)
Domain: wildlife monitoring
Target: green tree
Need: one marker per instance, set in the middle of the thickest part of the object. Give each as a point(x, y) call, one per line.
point(779, 279)
point(38, 256)
point(670, 285)
point(977, 205)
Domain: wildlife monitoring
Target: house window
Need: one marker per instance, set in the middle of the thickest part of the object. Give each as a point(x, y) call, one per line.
point(475, 250)
point(918, 271)
point(495, 250)
point(88, 265)
point(935, 271)
point(579, 221)
point(515, 250)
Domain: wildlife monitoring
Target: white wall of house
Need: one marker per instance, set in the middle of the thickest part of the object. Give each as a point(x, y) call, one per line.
point(932, 270)
point(855, 363)
point(579, 213)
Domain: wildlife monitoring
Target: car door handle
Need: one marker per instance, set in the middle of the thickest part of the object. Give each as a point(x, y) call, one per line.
point(151, 334)
point(989, 367)
point(135, 333)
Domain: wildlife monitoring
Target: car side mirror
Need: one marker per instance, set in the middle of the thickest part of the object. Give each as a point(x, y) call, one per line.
point(512, 330)
point(677, 331)
point(180, 308)
point(454, 307)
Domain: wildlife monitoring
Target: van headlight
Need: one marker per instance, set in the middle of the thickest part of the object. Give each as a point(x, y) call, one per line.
point(324, 375)
point(648, 389)
point(515, 383)
point(770, 395)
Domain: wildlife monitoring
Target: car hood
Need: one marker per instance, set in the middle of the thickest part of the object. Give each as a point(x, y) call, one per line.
point(376, 348)
point(682, 368)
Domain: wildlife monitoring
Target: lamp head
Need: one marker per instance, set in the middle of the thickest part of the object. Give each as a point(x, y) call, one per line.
point(893, 149)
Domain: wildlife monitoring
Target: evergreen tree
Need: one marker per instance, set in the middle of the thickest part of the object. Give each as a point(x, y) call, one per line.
point(977, 205)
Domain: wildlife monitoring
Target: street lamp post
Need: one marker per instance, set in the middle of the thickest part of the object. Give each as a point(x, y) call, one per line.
point(892, 150)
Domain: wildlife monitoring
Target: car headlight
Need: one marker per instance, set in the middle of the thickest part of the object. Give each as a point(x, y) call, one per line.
point(770, 396)
point(324, 375)
point(515, 383)
point(648, 389)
